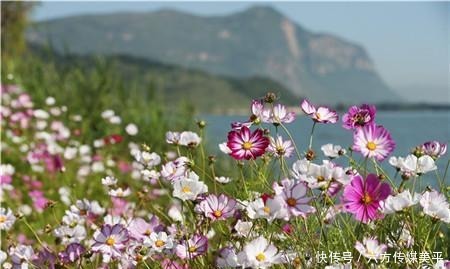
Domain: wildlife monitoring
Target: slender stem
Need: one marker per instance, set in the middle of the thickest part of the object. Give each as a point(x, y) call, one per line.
point(311, 136)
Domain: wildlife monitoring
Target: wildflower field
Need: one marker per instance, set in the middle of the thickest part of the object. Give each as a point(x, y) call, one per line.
point(93, 189)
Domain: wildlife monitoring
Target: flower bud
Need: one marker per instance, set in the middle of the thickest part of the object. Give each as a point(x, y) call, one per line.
point(270, 97)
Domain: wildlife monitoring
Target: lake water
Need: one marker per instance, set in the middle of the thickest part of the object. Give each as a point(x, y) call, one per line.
point(408, 129)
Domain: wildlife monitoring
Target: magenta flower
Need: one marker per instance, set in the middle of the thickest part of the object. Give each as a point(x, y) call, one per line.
point(247, 145)
point(217, 208)
point(362, 198)
point(111, 240)
point(359, 116)
point(434, 149)
point(195, 246)
point(320, 114)
point(373, 141)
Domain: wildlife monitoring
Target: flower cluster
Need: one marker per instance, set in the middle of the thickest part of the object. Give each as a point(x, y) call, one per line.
point(108, 202)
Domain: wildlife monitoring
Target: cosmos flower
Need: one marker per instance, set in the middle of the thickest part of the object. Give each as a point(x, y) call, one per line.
point(247, 145)
point(278, 115)
point(280, 147)
point(434, 149)
point(140, 229)
point(258, 253)
point(359, 116)
point(319, 114)
point(119, 192)
point(132, 129)
point(173, 138)
point(370, 248)
point(223, 180)
point(193, 247)
point(217, 207)
point(294, 194)
point(110, 240)
point(398, 202)
point(21, 256)
point(188, 188)
point(189, 139)
point(373, 141)
point(332, 151)
point(159, 241)
point(243, 228)
point(435, 205)
point(7, 219)
point(270, 209)
point(417, 166)
point(362, 197)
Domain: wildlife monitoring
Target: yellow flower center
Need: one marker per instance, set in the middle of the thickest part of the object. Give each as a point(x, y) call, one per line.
point(260, 257)
point(371, 145)
point(186, 189)
point(2, 219)
point(247, 145)
point(366, 199)
point(192, 249)
point(266, 209)
point(148, 232)
point(217, 213)
point(320, 178)
point(318, 116)
point(110, 241)
point(159, 243)
point(291, 201)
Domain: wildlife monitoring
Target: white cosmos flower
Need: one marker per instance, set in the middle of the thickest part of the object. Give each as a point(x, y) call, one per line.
point(7, 218)
point(259, 254)
point(173, 138)
point(41, 114)
point(188, 188)
point(243, 228)
point(175, 212)
point(189, 139)
point(227, 258)
point(64, 194)
point(70, 234)
point(70, 153)
point(115, 120)
point(132, 129)
point(435, 205)
point(148, 158)
point(395, 203)
point(223, 180)
point(300, 169)
point(412, 164)
point(109, 181)
point(280, 147)
point(158, 241)
point(119, 192)
point(50, 101)
point(370, 248)
point(274, 208)
point(332, 151)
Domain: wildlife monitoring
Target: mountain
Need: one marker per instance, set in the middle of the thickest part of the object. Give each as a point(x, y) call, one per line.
point(175, 85)
point(259, 41)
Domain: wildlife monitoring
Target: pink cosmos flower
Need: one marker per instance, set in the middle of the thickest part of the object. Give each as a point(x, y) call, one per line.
point(320, 114)
point(111, 240)
point(140, 229)
point(247, 145)
point(359, 116)
point(373, 141)
point(195, 246)
point(217, 208)
point(171, 264)
point(294, 194)
point(72, 253)
point(362, 198)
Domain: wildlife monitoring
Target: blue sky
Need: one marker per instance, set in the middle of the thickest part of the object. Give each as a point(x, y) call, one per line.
point(408, 41)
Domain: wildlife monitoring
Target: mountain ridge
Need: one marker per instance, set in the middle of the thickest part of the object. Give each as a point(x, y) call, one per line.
point(259, 41)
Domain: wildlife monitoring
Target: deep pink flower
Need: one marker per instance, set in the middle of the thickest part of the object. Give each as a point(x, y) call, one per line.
point(195, 246)
point(320, 114)
point(247, 145)
point(373, 141)
point(359, 116)
point(72, 253)
point(362, 197)
point(217, 208)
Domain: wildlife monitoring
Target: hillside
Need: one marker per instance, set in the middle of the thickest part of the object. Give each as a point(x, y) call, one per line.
point(175, 85)
point(259, 41)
